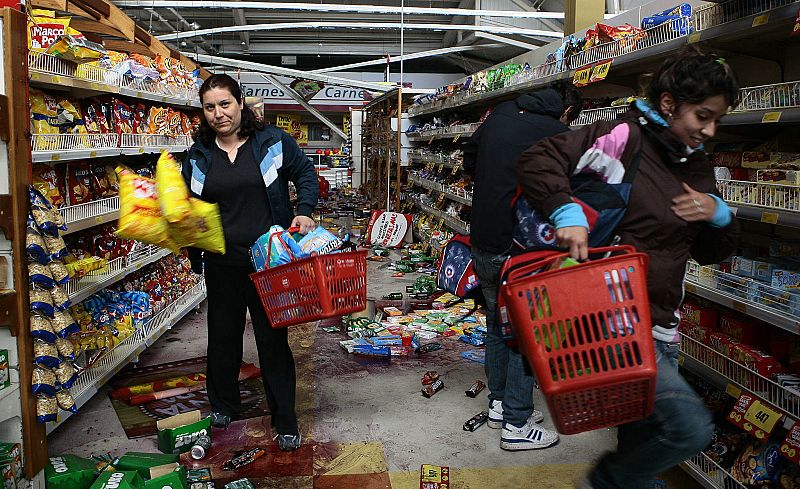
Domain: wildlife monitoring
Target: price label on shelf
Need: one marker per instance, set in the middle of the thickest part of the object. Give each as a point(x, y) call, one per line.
point(761, 20)
point(796, 28)
point(790, 448)
point(694, 37)
point(733, 390)
point(93, 154)
point(753, 416)
point(458, 136)
point(581, 77)
point(600, 71)
point(739, 306)
point(771, 117)
point(769, 217)
point(55, 157)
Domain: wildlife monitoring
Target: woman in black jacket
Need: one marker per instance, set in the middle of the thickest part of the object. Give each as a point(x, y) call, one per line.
point(245, 168)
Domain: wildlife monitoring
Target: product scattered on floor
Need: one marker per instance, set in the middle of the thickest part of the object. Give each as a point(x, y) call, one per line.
point(475, 389)
point(430, 377)
point(434, 477)
point(178, 433)
point(476, 421)
point(244, 458)
point(201, 447)
point(240, 484)
point(69, 472)
point(430, 390)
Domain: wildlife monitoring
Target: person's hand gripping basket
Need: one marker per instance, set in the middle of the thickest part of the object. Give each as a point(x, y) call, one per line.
point(316, 287)
point(586, 332)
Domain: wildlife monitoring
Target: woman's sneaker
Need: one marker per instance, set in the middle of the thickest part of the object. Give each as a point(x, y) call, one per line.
point(529, 436)
point(288, 443)
point(496, 415)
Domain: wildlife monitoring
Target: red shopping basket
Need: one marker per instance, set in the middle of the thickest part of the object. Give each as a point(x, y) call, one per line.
point(586, 331)
point(313, 288)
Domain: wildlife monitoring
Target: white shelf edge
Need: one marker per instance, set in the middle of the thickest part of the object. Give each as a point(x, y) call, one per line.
point(199, 294)
point(83, 293)
point(692, 467)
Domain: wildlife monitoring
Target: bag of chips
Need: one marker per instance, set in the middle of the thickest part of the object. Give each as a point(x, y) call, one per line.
point(45, 354)
point(77, 49)
point(44, 29)
point(35, 245)
point(103, 180)
point(208, 233)
point(59, 272)
point(79, 183)
point(43, 381)
point(65, 374)
point(49, 182)
point(63, 324)
point(41, 302)
point(40, 276)
point(123, 118)
point(140, 215)
point(46, 409)
point(173, 196)
point(65, 348)
point(41, 328)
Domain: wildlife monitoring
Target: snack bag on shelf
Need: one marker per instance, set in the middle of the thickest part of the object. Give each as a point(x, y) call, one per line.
point(44, 29)
point(158, 121)
point(140, 118)
point(50, 182)
point(104, 180)
point(76, 48)
point(759, 465)
point(174, 122)
point(79, 183)
point(123, 117)
point(140, 215)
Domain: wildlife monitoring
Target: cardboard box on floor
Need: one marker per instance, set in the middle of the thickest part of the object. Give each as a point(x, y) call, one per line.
point(119, 479)
point(143, 462)
point(178, 433)
point(172, 476)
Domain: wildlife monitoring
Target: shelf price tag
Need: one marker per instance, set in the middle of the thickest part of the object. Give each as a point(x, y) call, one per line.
point(771, 117)
point(761, 20)
point(796, 28)
point(458, 136)
point(753, 416)
point(581, 78)
point(694, 37)
point(769, 217)
point(790, 448)
point(600, 71)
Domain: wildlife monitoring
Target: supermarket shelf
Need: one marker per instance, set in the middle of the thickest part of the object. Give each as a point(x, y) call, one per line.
point(466, 198)
point(118, 269)
point(9, 402)
point(768, 116)
point(48, 71)
point(706, 24)
point(437, 160)
point(723, 371)
point(591, 116)
point(708, 474)
point(84, 216)
point(766, 202)
point(456, 225)
point(455, 132)
point(67, 147)
point(734, 292)
point(90, 381)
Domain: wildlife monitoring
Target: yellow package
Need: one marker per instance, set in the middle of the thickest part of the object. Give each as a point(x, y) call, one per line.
point(209, 235)
point(44, 29)
point(43, 113)
point(76, 48)
point(80, 268)
point(173, 196)
point(139, 214)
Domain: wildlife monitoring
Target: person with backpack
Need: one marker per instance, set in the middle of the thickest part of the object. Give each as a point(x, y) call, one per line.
point(674, 212)
point(490, 157)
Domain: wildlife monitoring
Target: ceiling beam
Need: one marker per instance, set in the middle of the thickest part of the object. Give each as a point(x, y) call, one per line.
point(406, 57)
point(328, 7)
point(312, 47)
point(450, 37)
point(300, 100)
point(363, 25)
point(239, 19)
point(278, 70)
point(507, 40)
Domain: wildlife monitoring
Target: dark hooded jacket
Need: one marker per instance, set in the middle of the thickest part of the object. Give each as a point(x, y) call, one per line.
point(490, 157)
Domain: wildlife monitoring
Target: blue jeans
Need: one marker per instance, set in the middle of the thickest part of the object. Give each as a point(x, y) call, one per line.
point(506, 376)
point(679, 428)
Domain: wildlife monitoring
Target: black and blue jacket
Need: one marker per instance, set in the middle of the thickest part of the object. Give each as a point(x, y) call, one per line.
point(281, 161)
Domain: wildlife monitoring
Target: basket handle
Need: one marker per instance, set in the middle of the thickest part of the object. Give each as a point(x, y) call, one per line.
point(283, 242)
point(540, 257)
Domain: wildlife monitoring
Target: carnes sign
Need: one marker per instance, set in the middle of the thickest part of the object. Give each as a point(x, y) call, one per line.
point(255, 86)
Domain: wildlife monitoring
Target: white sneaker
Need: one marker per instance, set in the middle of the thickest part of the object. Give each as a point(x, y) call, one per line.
point(528, 437)
point(496, 415)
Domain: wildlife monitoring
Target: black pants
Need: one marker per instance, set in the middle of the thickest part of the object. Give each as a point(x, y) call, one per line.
point(231, 294)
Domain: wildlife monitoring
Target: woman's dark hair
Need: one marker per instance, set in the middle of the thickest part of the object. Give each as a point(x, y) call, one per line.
point(249, 122)
point(571, 97)
point(692, 76)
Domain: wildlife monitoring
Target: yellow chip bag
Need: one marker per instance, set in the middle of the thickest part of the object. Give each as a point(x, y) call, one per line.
point(76, 48)
point(209, 226)
point(173, 196)
point(139, 213)
point(44, 29)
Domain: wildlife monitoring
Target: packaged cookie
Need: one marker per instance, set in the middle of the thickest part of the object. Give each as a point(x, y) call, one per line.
point(65, 401)
point(46, 409)
point(65, 374)
point(42, 329)
point(41, 301)
point(40, 276)
point(60, 298)
point(43, 381)
point(63, 324)
point(45, 354)
point(65, 348)
point(59, 272)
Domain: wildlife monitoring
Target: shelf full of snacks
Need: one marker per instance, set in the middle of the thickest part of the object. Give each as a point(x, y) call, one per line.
point(111, 362)
point(635, 52)
point(709, 474)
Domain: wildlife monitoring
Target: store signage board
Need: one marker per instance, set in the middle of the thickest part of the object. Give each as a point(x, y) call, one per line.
point(253, 85)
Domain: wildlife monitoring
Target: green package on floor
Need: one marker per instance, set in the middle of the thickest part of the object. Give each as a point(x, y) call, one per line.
point(69, 472)
point(240, 484)
point(178, 433)
point(175, 478)
point(119, 479)
point(142, 462)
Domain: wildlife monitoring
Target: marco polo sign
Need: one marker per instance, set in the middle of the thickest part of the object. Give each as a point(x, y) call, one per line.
point(321, 96)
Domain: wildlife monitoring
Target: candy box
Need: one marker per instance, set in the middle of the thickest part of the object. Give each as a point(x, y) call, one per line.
point(120, 479)
point(69, 472)
point(143, 462)
point(757, 360)
point(785, 279)
point(434, 477)
point(784, 248)
point(178, 433)
point(762, 270)
point(172, 476)
point(748, 331)
point(742, 266)
point(699, 315)
point(5, 375)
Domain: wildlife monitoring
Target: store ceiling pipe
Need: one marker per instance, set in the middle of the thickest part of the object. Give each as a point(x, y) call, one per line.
point(278, 70)
point(406, 57)
point(362, 25)
point(327, 7)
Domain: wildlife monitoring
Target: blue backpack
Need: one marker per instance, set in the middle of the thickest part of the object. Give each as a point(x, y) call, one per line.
point(456, 273)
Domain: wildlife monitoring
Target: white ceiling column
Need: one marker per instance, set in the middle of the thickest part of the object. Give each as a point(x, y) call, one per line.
point(239, 19)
